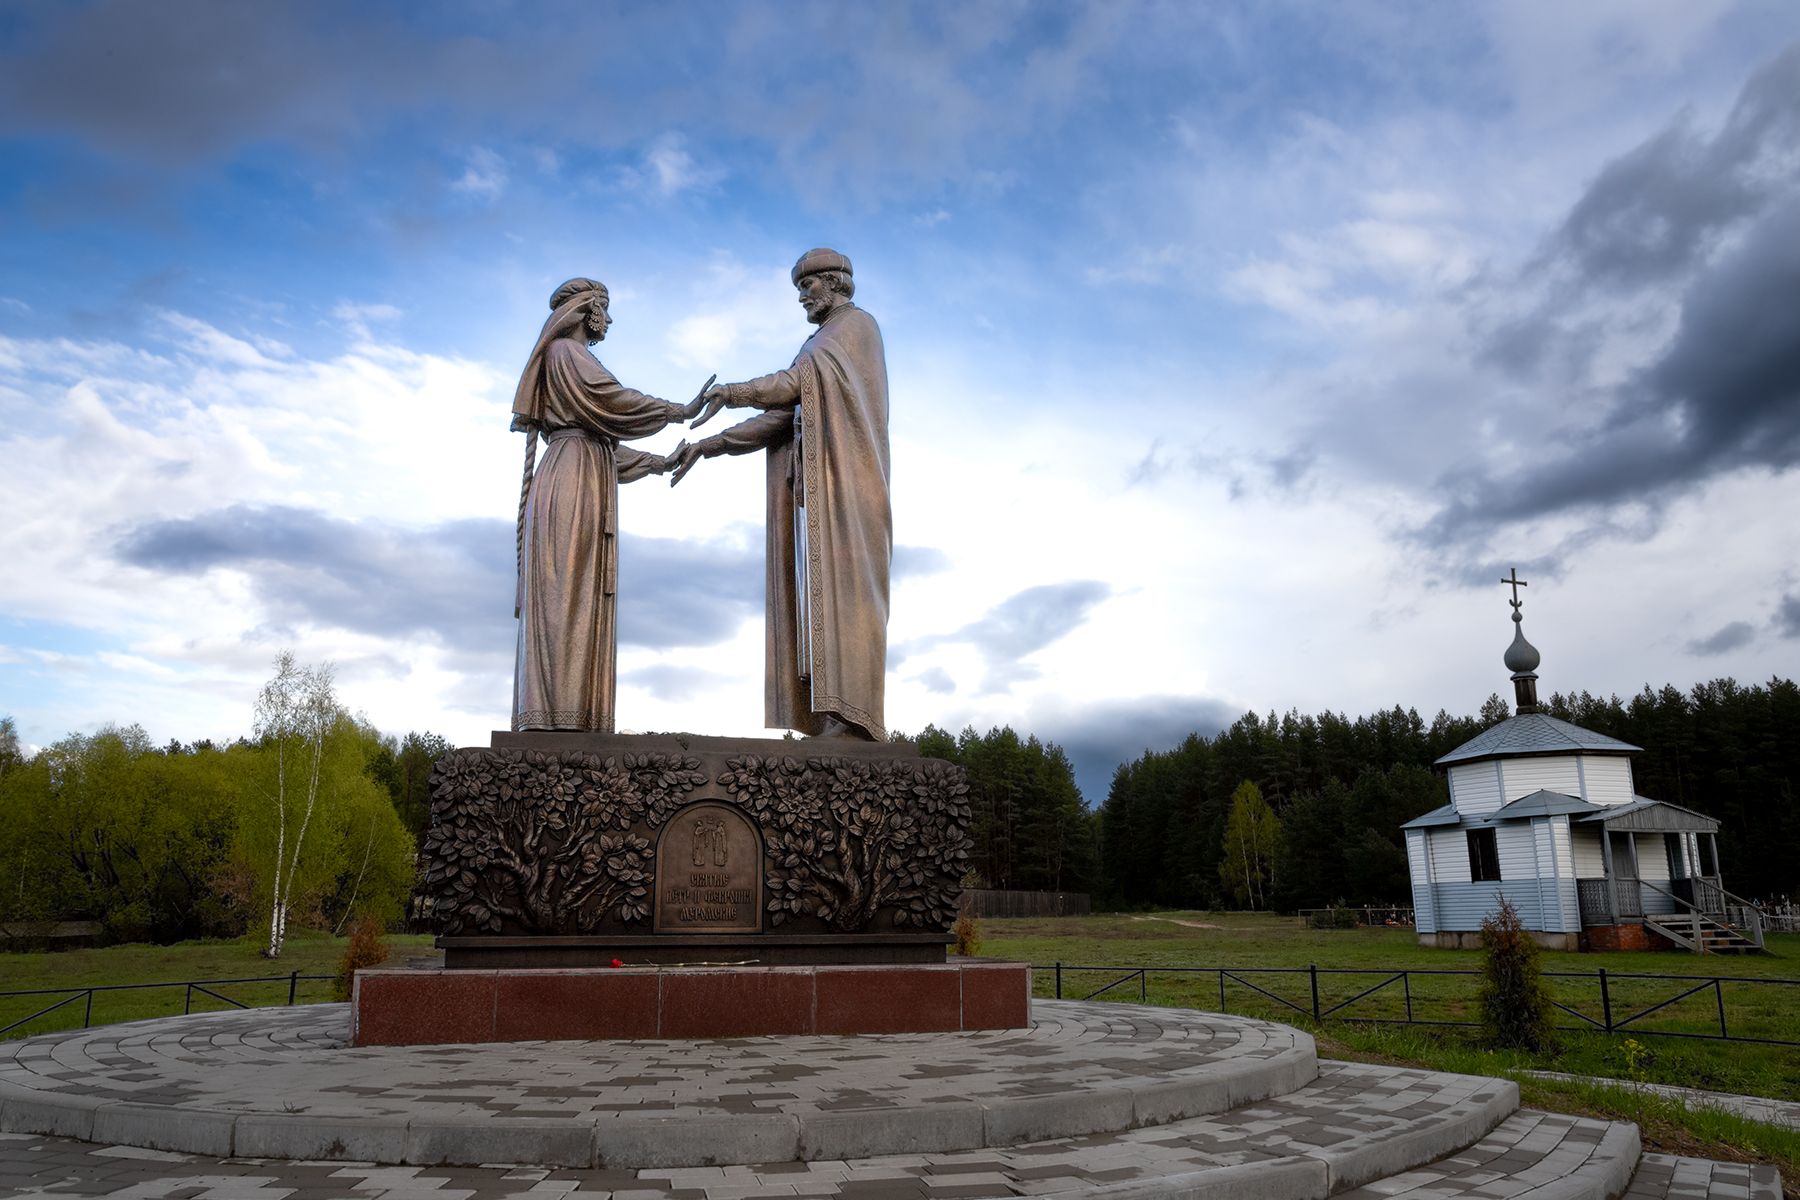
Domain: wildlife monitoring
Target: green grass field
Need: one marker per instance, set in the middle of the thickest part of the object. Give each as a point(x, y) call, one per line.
point(1271, 953)
point(307, 953)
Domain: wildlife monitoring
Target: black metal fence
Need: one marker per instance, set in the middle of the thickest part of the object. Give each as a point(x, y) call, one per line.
point(1602, 1000)
point(85, 995)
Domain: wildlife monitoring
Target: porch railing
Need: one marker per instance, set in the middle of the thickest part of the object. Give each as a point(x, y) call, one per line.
point(1701, 902)
point(1591, 893)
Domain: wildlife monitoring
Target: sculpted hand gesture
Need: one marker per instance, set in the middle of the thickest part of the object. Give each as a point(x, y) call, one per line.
point(699, 401)
point(717, 399)
point(683, 458)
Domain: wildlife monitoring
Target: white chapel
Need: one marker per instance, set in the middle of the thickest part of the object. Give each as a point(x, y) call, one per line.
point(1545, 813)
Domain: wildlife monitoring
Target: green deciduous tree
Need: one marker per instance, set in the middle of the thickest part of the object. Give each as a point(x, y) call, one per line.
point(104, 827)
point(1252, 834)
point(296, 713)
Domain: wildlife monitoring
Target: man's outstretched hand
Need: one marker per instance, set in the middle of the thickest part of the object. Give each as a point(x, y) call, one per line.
point(682, 459)
point(716, 400)
point(699, 401)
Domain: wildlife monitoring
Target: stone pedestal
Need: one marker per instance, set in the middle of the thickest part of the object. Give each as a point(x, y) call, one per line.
point(600, 886)
point(569, 850)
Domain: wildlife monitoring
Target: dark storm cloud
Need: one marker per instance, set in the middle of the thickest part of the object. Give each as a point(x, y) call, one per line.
point(673, 683)
point(1730, 637)
point(1243, 474)
point(188, 80)
point(936, 679)
point(1101, 736)
point(1656, 210)
point(1716, 219)
point(307, 567)
point(682, 593)
point(913, 92)
point(1724, 395)
point(1030, 620)
point(1787, 616)
point(452, 581)
point(1016, 627)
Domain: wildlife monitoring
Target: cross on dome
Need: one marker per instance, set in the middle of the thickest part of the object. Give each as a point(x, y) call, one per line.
point(1521, 657)
point(1515, 583)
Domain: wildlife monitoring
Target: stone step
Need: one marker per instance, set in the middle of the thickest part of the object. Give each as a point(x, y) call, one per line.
point(1671, 1177)
point(1352, 1125)
point(1529, 1156)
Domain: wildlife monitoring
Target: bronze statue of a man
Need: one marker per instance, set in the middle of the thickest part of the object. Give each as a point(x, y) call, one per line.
point(830, 524)
point(565, 674)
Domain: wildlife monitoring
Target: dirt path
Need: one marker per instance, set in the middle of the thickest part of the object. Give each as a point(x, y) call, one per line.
point(1173, 921)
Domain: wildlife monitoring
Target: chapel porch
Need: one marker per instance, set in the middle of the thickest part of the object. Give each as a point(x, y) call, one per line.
point(1658, 882)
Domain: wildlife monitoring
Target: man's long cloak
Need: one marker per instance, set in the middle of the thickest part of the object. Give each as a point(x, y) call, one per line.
point(828, 459)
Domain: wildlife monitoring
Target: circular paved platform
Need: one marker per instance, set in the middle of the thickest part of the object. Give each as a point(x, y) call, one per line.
point(285, 1083)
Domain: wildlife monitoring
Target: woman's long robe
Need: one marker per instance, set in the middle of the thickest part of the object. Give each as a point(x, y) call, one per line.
point(565, 674)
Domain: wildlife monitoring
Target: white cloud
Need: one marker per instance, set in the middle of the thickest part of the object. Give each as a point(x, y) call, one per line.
point(484, 175)
point(378, 430)
point(670, 169)
point(738, 312)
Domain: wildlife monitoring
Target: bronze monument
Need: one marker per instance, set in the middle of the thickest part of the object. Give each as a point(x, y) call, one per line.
point(568, 554)
point(830, 526)
point(562, 844)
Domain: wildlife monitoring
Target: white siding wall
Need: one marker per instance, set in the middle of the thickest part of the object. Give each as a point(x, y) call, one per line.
point(1449, 855)
point(1424, 916)
point(1608, 779)
point(1557, 885)
point(1475, 789)
point(1463, 906)
point(1530, 857)
point(1585, 843)
point(1653, 867)
point(1517, 858)
point(1523, 776)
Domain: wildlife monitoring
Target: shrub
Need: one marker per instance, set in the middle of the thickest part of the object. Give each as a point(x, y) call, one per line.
point(367, 948)
point(1515, 1008)
point(967, 932)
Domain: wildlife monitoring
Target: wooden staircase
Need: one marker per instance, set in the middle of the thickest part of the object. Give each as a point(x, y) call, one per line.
point(1700, 933)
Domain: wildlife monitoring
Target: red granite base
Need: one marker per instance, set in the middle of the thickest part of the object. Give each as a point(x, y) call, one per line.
point(420, 1008)
point(1623, 937)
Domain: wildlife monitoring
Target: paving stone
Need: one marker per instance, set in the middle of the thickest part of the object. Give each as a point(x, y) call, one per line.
point(1075, 1070)
point(1364, 1131)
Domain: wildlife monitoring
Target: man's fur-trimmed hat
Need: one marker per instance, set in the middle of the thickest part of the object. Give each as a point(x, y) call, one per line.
point(821, 259)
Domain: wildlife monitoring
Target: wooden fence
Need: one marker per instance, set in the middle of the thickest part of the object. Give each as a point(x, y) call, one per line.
point(995, 902)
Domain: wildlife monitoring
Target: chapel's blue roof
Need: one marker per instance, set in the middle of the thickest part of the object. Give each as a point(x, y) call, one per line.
point(1543, 804)
point(1446, 815)
point(1534, 733)
point(1672, 816)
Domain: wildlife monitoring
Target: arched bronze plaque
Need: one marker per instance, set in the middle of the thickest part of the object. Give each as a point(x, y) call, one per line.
point(709, 872)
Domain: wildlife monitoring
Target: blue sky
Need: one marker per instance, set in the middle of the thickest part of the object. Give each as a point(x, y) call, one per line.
point(1236, 349)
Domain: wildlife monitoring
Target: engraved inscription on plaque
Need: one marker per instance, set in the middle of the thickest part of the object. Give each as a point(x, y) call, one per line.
point(709, 872)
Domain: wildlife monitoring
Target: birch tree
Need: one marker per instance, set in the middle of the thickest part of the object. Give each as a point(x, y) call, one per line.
point(295, 712)
point(1251, 834)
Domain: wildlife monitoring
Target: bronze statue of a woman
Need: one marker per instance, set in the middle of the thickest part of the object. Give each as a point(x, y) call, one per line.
point(568, 552)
